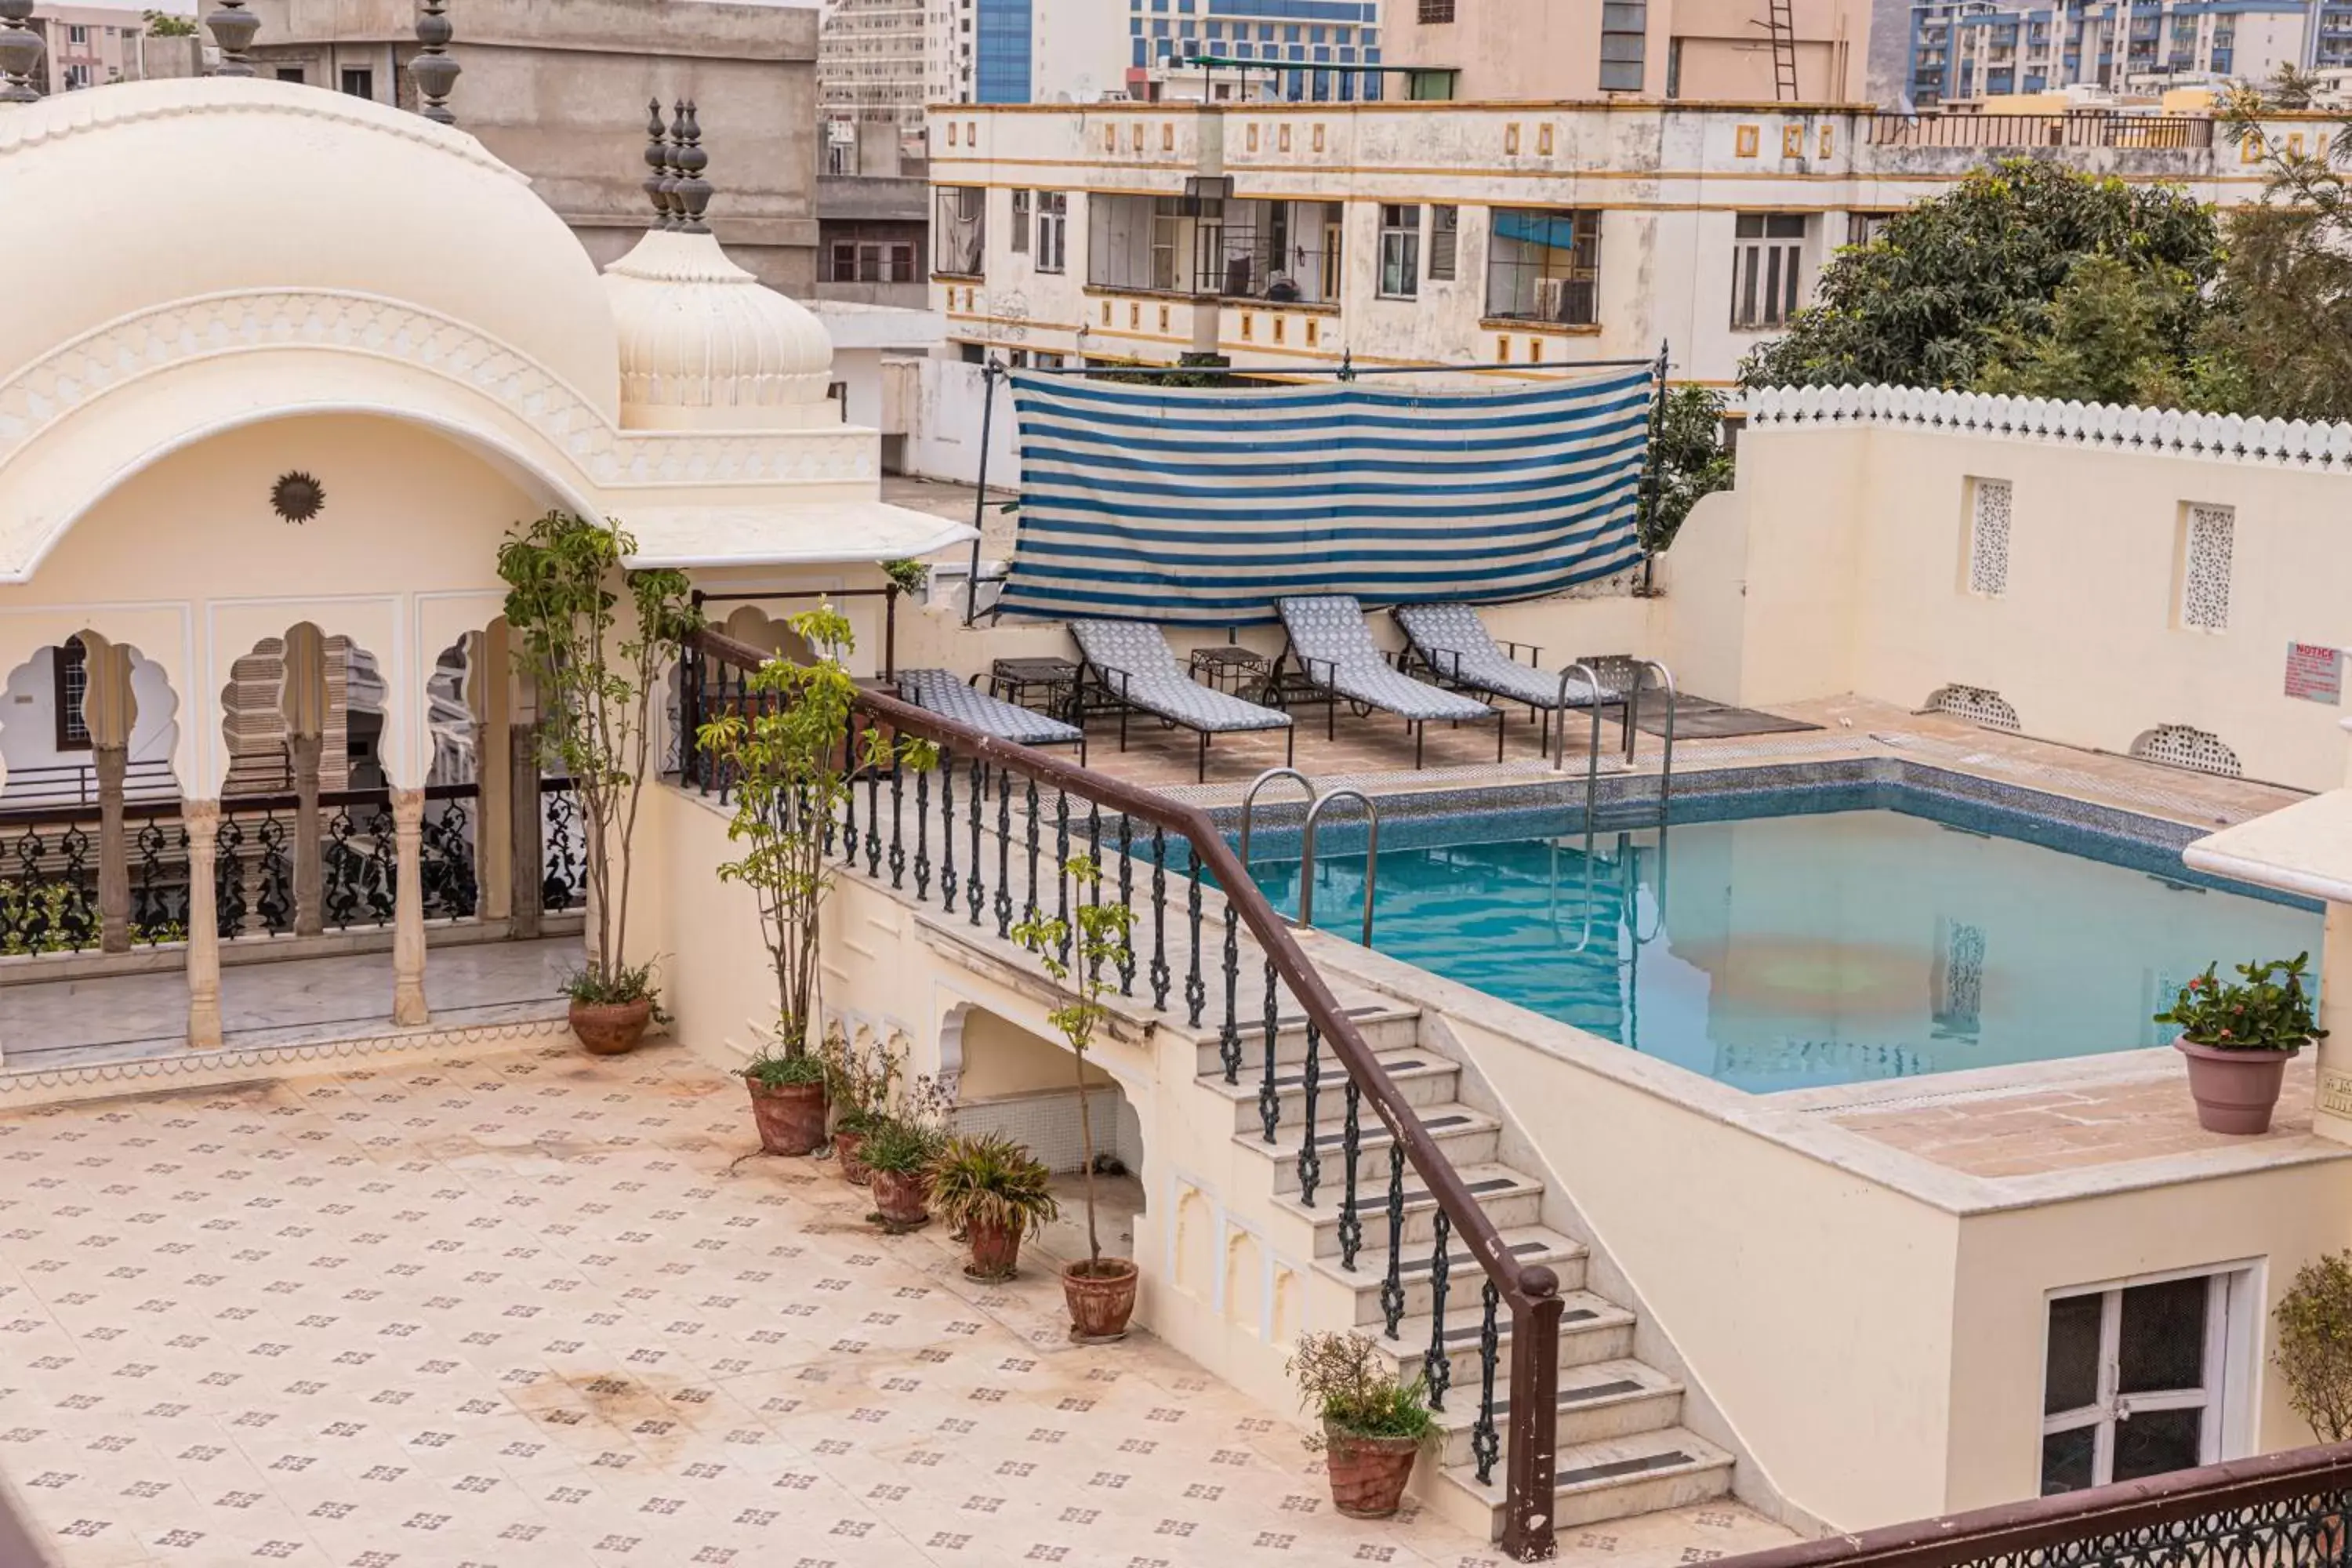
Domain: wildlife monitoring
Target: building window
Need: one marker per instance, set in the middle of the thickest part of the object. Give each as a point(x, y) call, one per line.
point(77, 35)
point(2208, 536)
point(290, 73)
point(1624, 45)
point(1989, 514)
point(902, 264)
point(1053, 229)
point(1436, 12)
point(1767, 251)
point(1021, 200)
point(359, 82)
point(1861, 229)
point(1544, 265)
point(1445, 242)
point(961, 231)
point(1400, 252)
point(72, 663)
point(2139, 1380)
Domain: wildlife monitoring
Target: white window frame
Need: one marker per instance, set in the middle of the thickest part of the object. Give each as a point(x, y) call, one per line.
point(1400, 253)
point(1053, 250)
point(1021, 201)
point(1767, 272)
point(2234, 1318)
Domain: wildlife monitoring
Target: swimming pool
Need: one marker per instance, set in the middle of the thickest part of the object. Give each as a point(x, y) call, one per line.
point(1809, 937)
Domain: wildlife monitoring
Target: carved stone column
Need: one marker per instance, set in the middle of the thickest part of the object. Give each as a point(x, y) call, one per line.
point(202, 819)
point(309, 863)
point(408, 908)
point(112, 763)
point(523, 753)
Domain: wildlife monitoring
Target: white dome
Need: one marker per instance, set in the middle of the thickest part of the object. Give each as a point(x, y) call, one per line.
point(704, 345)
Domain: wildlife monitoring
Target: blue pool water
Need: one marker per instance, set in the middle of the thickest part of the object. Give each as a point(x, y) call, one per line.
point(1820, 937)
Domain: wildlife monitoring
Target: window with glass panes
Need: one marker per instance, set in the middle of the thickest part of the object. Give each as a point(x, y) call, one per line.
point(1399, 251)
point(1767, 255)
point(2138, 1379)
point(1544, 264)
point(1053, 229)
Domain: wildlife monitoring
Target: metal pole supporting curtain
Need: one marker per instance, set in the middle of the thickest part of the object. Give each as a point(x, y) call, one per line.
point(990, 374)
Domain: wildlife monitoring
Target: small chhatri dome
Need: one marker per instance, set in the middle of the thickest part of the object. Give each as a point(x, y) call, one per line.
point(704, 344)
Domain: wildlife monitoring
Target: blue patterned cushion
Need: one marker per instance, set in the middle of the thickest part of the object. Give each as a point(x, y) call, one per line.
point(940, 691)
point(1137, 664)
point(1456, 642)
point(1336, 649)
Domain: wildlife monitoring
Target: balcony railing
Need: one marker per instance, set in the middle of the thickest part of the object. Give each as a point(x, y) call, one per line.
point(2096, 128)
point(2280, 1510)
point(985, 834)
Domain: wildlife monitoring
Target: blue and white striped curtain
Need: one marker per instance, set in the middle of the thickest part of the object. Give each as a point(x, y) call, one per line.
point(1181, 504)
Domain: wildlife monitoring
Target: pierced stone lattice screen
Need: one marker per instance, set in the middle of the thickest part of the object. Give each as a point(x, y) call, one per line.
point(1976, 704)
point(1989, 537)
point(2181, 746)
point(2205, 570)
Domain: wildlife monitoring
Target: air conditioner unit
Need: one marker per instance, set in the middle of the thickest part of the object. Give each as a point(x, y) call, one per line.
point(1552, 299)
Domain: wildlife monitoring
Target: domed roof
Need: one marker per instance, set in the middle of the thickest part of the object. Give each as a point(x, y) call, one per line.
point(704, 344)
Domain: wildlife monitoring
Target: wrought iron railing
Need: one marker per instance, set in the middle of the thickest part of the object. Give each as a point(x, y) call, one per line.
point(563, 848)
point(987, 834)
point(2280, 1510)
point(2081, 128)
point(50, 872)
point(359, 867)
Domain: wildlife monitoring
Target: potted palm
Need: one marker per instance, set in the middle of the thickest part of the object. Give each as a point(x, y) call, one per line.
point(995, 1191)
point(1098, 1290)
point(782, 748)
point(596, 678)
point(1372, 1426)
point(898, 1152)
point(2239, 1035)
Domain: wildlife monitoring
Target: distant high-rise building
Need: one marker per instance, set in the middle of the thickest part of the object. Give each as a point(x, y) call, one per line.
point(1964, 50)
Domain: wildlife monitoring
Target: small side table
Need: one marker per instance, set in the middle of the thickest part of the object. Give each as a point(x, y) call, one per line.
point(1015, 680)
point(1225, 666)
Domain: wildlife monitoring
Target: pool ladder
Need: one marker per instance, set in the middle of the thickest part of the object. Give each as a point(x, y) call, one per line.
point(1316, 802)
point(1597, 695)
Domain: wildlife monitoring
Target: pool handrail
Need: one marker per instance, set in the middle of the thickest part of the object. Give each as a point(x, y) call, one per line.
point(1306, 858)
point(1634, 725)
point(1249, 800)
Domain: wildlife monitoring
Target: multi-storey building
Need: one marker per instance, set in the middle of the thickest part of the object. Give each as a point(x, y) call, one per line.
point(1979, 48)
point(90, 45)
point(1294, 235)
point(1720, 51)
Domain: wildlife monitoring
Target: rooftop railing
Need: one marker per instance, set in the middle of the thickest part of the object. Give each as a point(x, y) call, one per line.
point(2088, 128)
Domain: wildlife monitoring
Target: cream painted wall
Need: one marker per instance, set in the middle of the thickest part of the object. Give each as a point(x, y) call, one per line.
point(187, 563)
point(1852, 578)
point(1001, 1057)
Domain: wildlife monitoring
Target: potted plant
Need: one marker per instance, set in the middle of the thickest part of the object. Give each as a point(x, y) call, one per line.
point(597, 678)
point(898, 1152)
point(2239, 1035)
point(863, 1081)
point(995, 1191)
point(788, 1100)
point(1100, 1291)
point(791, 772)
point(1372, 1426)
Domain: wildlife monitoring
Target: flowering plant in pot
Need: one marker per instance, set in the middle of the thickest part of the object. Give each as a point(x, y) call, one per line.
point(788, 1100)
point(597, 675)
point(861, 1080)
point(1373, 1426)
point(995, 1191)
point(2239, 1035)
point(1100, 1291)
point(898, 1153)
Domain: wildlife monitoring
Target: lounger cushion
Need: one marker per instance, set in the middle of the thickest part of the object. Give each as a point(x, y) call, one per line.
point(1155, 683)
point(1336, 649)
point(940, 691)
point(1455, 640)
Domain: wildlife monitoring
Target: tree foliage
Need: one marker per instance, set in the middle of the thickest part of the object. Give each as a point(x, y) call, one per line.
point(1934, 297)
point(2313, 1352)
point(1692, 462)
point(2114, 333)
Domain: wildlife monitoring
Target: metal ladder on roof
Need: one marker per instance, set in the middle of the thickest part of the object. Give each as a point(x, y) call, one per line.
point(1784, 52)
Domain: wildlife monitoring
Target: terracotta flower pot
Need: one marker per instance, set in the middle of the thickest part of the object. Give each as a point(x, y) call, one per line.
point(995, 1251)
point(845, 1145)
point(1368, 1474)
point(612, 1029)
point(2235, 1092)
point(1101, 1298)
point(789, 1116)
point(900, 1197)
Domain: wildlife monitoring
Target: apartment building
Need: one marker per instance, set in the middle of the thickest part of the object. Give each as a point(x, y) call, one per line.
point(1535, 235)
point(90, 45)
point(1964, 49)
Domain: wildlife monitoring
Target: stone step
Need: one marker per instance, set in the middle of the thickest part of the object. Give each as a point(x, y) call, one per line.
point(1421, 1078)
point(1509, 1198)
point(1590, 1330)
point(1465, 1136)
point(1599, 1402)
point(1618, 1477)
point(1528, 1244)
point(1385, 1027)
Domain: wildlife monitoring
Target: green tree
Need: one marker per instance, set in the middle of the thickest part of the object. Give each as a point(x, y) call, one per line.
point(597, 678)
point(1925, 303)
point(1692, 461)
point(2114, 333)
point(163, 25)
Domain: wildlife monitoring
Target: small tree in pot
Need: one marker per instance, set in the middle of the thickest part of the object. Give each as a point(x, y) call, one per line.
point(898, 1153)
point(995, 1191)
point(2314, 1352)
point(2239, 1035)
point(864, 1082)
point(1373, 1426)
point(597, 680)
point(1100, 1291)
point(792, 757)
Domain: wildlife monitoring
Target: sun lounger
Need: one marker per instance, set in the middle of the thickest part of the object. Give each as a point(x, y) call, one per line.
point(1334, 649)
point(1131, 664)
point(941, 693)
point(1456, 647)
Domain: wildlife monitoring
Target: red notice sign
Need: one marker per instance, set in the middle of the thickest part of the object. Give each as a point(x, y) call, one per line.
point(2314, 673)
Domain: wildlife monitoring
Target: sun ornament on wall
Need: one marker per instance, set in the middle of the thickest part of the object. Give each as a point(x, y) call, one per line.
point(298, 498)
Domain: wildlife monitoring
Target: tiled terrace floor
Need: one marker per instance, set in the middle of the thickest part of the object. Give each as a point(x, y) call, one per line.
point(530, 1309)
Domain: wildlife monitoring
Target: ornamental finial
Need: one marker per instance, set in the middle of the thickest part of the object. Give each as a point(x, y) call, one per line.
point(433, 70)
